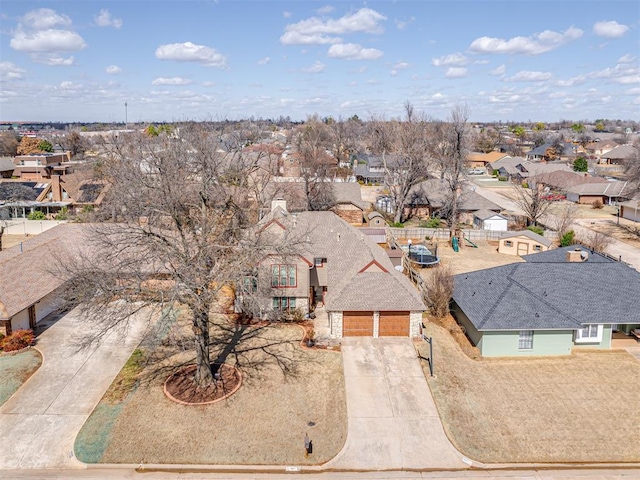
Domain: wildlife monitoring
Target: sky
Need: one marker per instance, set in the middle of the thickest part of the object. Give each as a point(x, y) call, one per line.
point(81, 61)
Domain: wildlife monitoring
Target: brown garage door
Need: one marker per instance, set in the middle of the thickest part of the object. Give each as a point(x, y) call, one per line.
point(357, 324)
point(394, 324)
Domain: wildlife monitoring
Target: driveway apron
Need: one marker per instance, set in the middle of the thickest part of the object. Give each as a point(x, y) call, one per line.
point(392, 419)
point(39, 423)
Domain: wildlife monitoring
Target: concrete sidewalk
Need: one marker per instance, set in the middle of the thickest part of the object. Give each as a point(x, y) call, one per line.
point(40, 422)
point(392, 418)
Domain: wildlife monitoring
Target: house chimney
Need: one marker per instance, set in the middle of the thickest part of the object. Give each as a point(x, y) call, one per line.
point(56, 188)
point(279, 202)
point(575, 256)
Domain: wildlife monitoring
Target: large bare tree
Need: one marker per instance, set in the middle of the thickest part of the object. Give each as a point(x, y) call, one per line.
point(403, 146)
point(181, 231)
point(534, 202)
point(450, 148)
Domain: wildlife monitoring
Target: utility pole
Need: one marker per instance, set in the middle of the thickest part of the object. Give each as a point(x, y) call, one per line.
point(126, 118)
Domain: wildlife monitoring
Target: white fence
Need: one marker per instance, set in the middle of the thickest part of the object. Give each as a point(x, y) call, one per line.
point(22, 226)
point(443, 233)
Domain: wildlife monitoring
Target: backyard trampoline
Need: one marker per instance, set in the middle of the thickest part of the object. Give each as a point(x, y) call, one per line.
point(420, 255)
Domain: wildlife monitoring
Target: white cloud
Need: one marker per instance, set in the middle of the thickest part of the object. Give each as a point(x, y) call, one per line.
point(353, 51)
point(52, 59)
point(317, 67)
point(175, 81)
point(533, 45)
point(498, 70)
point(44, 19)
point(104, 19)
point(325, 10)
point(264, 61)
point(190, 52)
point(628, 58)
point(318, 31)
point(623, 73)
point(43, 33)
point(453, 60)
point(610, 29)
point(208, 84)
point(286, 14)
point(10, 71)
point(577, 80)
point(456, 72)
point(113, 70)
point(529, 76)
point(401, 66)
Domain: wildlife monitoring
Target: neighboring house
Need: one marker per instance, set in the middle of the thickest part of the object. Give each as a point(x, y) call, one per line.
point(523, 242)
point(431, 198)
point(605, 192)
point(488, 220)
point(340, 269)
point(561, 181)
point(552, 303)
point(547, 152)
point(631, 210)
point(618, 155)
point(599, 148)
point(484, 160)
point(376, 235)
point(6, 167)
point(40, 166)
point(30, 290)
point(349, 204)
point(375, 219)
point(517, 169)
point(371, 169)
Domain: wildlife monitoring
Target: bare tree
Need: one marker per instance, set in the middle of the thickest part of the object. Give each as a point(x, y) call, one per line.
point(564, 219)
point(8, 144)
point(534, 202)
point(312, 142)
point(182, 233)
point(487, 140)
point(451, 147)
point(404, 149)
point(597, 241)
point(438, 290)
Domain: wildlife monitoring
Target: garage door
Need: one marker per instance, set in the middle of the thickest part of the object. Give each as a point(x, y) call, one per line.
point(394, 324)
point(357, 324)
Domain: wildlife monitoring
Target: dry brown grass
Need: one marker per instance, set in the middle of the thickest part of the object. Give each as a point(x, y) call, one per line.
point(264, 422)
point(580, 408)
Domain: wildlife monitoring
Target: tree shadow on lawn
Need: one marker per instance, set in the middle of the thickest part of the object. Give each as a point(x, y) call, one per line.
point(260, 423)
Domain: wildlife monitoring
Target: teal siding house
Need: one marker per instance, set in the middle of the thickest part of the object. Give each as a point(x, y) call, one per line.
point(555, 302)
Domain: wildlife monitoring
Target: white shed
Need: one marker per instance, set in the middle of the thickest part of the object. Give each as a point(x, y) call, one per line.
point(488, 220)
point(630, 210)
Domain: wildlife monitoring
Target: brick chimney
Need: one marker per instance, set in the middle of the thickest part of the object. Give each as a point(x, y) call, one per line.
point(576, 255)
point(56, 188)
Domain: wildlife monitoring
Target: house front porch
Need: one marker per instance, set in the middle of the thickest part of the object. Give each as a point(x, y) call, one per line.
point(622, 340)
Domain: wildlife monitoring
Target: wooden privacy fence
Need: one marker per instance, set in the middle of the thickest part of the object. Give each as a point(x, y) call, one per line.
point(443, 233)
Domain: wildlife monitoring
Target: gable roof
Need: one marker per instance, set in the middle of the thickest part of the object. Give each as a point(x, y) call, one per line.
point(31, 267)
point(12, 191)
point(548, 296)
point(433, 192)
point(530, 235)
point(349, 252)
point(607, 189)
point(486, 157)
point(486, 214)
point(621, 152)
point(559, 255)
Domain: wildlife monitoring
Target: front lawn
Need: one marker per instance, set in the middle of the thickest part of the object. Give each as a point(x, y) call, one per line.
point(15, 370)
point(581, 408)
point(264, 422)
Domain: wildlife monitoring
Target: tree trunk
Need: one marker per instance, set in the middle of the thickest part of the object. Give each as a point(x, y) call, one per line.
point(203, 376)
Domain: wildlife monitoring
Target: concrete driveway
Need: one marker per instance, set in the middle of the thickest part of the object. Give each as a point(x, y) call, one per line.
point(392, 419)
point(39, 423)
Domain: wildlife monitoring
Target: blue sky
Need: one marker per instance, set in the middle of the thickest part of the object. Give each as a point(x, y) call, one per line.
point(176, 60)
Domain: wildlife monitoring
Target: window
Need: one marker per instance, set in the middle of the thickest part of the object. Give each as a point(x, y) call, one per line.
point(525, 340)
point(249, 284)
point(284, 303)
point(283, 276)
point(589, 334)
point(508, 243)
point(537, 248)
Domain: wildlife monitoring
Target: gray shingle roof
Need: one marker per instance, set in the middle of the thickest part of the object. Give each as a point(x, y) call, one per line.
point(548, 296)
point(608, 189)
point(559, 255)
point(11, 191)
point(485, 214)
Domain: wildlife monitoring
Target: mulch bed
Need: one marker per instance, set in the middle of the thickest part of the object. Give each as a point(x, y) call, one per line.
point(181, 387)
